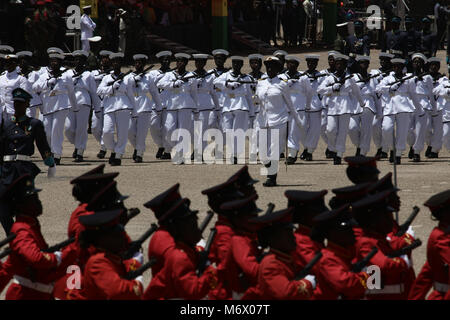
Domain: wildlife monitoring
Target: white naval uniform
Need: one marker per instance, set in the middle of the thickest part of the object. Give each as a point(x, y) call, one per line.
point(300, 91)
point(324, 117)
point(179, 108)
point(8, 82)
point(382, 100)
point(276, 108)
point(207, 105)
point(420, 122)
point(58, 96)
point(442, 92)
point(147, 102)
point(361, 124)
point(237, 108)
point(87, 27)
point(219, 97)
point(77, 120)
point(118, 104)
point(36, 101)
point(341, 106)
point(97, 115)
point(435, 128)
point(156, 125)
point(255, 121)
point(399, 108)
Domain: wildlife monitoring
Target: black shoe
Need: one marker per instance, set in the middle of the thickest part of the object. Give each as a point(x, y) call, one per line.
point(74, 154)
point(192, 156)
point(290, 160)
point(398, 160)
point(411, 153)
point(333, 154)
point(416, 157)
point(159, 153)
point(234, 160)
point(391, 157)
point(116, 162)
point(328, 154)
point(379, 152)
point(337, 160)
point(101, 154)
point(358, 152)
point(383, 155)
point(57, 161)
point(303, 155)
point(138, 159)
point(112, 157)
point(78, 158)
point(433, 155)
point(134, 154)
point(428, 152)
point(166, 156)
point(271, 181)
point(308, 157)
point(282, 155)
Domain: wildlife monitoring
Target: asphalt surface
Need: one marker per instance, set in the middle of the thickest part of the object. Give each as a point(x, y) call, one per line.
point(142, 182)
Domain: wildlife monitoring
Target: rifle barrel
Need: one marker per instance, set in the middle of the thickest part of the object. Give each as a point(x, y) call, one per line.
point(60, 245)
point(415, 244)
point(5, 253)
point(305, 271)
point(404, 227)
point(206, 221)
point(7, 240)
point(358, 266)
point(136, 273)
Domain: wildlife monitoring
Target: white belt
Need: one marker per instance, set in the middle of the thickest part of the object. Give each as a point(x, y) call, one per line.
point(41, 287)
point(236, 295)
point(17, 157)
point(57, 92)
point(335, 94)
point(389, 289)
point(441, 287)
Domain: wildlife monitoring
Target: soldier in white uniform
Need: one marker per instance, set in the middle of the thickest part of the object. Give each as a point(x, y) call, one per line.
point(58, 96)
point(87, 28)
point(275, 110)
point(97, 115)
point(314, 113)
point(147, 102)
point(378, 74)
point(77, 120)
point(118, 104)
point(237, 105)
point(32, 76)
point(156, 126)
point(206, 103)
point(400, 106)
point(360, 129)
point(10, 80)
point(420, 121)
point(220, 57)
point(300, 91)
point(343, 92)
point(281, 54)
point(180, 105)
point(442, 92)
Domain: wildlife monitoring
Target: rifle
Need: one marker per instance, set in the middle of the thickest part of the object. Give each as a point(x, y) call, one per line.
point(405, 250)
point(203, 260)
point(197, 76)
point(119, 78)
point(145, 70)
point(359, 265)
point(407, 78)
point(59, 246)
point(206, 221)
point(373, 76)
point(5, 253)
point(136, 245)
point(136, 273)
point(7, 240)
point(306, 270)
point(131, 213)
point(402, 229)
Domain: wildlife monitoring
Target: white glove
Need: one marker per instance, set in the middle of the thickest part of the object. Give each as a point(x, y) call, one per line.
point(138, 78)
point(406, 259)
point(311, 279)
point(140, 279)
point(139, 257)
point(116, 85)
point(336, 87)
point(201, 243)
point(51, 172)
point(52, 81)
point(58, 255)
point(178, 83)
point(411, 232)
point(394, 87)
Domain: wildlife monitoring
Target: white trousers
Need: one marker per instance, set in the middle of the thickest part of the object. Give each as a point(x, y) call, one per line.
point(138, 130)
point(176, 119)
point(402, 123)
point(32, 111)
point(85, 45)
point(254, 139)
point(434, 131)
point(203, 120)
point(337, 129)
point(417, 129)
point(446, 135)
point(76, 126)
point(233, 121)
point(156, 128)
point(116, 123)
point(323, 127)
point(296, 134)
point(360, 130)
point(97, 128)
point(377, 132)
point(54, 129)
point(314, 125)
point(274, 146)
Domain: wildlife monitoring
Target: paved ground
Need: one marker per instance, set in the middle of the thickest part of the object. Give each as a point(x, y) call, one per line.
point(417, 181)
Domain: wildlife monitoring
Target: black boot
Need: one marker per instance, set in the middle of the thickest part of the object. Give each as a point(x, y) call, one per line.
point(411, 153)
point(398, 160)
point(57, 161)
point(134, 154)
point(358, 152)
point(101, 154)
point(434, 155)
point(303, 155)
point(116, 162)
point(282, 155)
point(428, 152)
point(308, 157)
point(383, 155)
point(332, 154)
point(271, 181)
point(391, 157)
point(379, 152)
point(112, 157)
point(78, 158)
point(74, 154)
point(138, 159)
point(290, 160)
point(166, 156)
point(159, 153)
point(328, 154)
point(337, 160)
point(416, 157)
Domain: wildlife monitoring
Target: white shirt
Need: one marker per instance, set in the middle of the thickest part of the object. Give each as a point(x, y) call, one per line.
point(85, 89)
point(8, 82)
point(87, 27)
point(146, 93)
point(236, 96)
point(204, 96)
point(163, 94)
point(442, 94)
point(181, 93)
point(118, 96)
point(368, 93)
point(315, 79)
point(300, 90)
point(424, 90)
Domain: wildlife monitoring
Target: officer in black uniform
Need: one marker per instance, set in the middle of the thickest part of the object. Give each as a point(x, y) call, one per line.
point(413, 39)
point(428, 43)
point(358, 44)
point(395, 41)
point(17, 138)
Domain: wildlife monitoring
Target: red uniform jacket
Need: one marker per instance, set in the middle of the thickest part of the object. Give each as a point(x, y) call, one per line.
point(178, 278)
point(435, 271)
point(276, 280)
point(29, 262)
point(75, 227)
point(306, 247)
point(394, 271)
point(335, 277)
point(161, 243)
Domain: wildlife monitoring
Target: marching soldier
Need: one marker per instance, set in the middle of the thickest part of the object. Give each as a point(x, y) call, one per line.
point(18, 137)
point(77, 120)
point(27, 70)
point(220, 57)
point(395, 41)
point(340, 45)
point(442, 92)
point(342, 89)
point(147, 100)
point(281, 54)
point(255, 61)
point(362, 169)
point(244, 182)
point(359, 45)
point(428, 45)
point(118, 103)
